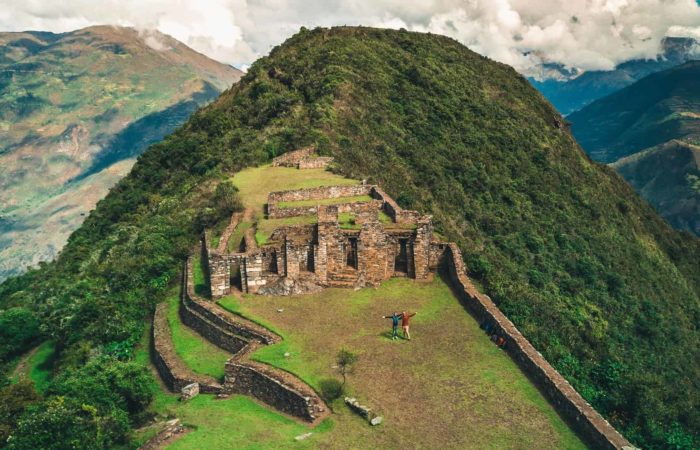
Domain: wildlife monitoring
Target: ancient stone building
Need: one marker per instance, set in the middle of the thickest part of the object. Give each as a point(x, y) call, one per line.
point(351, 244)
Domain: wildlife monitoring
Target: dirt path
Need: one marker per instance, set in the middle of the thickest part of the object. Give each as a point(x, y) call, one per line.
point(22, 369)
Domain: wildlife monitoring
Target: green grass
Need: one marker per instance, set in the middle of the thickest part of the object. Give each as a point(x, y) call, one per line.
point(256, 183)
point(199, 355)
point(201, 287)
point(234, 242)
point(40, 366)
point(449, 349)
point(265, 227)
point(326, 201)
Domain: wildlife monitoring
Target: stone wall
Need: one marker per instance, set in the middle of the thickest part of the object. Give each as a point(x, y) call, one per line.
point(437, 255)
point(254, 380)
point(223, 338)
point(392, 209)
point(222, 322)
point(274, 211)
point(374, 263)
point(319, 162)
point(292, 159)
point(590, 425)
point(421, 249)
point(172, 370)
point(319, 193)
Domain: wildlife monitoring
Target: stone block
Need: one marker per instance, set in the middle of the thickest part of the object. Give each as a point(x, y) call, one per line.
point(189, 392)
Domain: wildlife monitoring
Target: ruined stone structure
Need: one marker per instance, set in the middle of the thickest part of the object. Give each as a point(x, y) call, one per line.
point(350, 244)
point(360, 250)
point(304, 158)
point(240, 337)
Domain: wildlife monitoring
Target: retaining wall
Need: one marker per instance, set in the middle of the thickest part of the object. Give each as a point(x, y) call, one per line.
point(392, 208)
point(248, 379)
point(590, 425)
point(276, 212)
point(172, 370)
point(319, 162)
point(319, 193)
point(216, 322)
point(292, 159)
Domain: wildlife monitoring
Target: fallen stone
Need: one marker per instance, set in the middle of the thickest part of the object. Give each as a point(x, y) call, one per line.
point(301, 437)
point(355, 406)
point(280, 310)
point(287, 354)
point(376, 420)
point(189, 392)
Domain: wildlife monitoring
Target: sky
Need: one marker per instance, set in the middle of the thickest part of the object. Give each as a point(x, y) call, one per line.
point(579, 34)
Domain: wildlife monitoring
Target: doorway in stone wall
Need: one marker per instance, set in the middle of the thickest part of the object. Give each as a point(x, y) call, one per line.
point(308, 263)
point(401, 259)
point(351, 253)
point(236, 278)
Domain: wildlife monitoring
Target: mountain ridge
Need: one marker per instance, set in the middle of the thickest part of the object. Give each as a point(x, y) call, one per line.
point(75, 104)
point(649, 132)
point(574, 93)
point(588, 272)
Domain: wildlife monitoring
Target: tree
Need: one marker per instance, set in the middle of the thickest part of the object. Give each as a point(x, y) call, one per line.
point(345, 361)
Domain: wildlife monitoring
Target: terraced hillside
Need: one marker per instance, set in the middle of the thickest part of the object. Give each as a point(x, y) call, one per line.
point(449, 387)
point(76, 109)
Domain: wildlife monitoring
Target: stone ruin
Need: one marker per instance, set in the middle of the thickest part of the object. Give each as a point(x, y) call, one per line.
point(304, 158)
point(361, 250)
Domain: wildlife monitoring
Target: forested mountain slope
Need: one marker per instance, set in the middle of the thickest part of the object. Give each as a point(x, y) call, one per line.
point(598, 282)
point(75, 110)
point(651, 130)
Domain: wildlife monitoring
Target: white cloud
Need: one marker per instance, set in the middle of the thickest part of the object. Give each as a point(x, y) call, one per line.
point(583, 34)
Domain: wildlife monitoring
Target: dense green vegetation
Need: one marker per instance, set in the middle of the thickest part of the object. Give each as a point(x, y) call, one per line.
point(590, 274)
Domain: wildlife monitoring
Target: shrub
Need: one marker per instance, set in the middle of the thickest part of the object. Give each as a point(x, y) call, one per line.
point(331, 389)
point(346, 361)
point(109, 384)
point(14, 400)
point(63, 423)
point(226, 199)
point(19, 327)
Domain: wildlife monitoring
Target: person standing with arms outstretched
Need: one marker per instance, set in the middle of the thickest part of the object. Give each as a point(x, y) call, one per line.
point(405, 318)
point(394, 324)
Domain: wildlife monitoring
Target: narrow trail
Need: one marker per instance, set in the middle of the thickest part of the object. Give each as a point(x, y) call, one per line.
point(22, 369)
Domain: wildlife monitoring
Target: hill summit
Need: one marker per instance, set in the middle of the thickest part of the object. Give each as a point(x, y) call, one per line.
point(589, 273)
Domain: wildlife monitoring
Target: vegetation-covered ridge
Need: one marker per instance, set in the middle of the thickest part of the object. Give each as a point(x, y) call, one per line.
point(590, 274)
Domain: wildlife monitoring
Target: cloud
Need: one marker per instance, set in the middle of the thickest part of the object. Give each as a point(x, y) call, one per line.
point(579, 34)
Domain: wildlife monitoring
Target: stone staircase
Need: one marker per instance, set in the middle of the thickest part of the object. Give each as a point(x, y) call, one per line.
point(346, 278)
